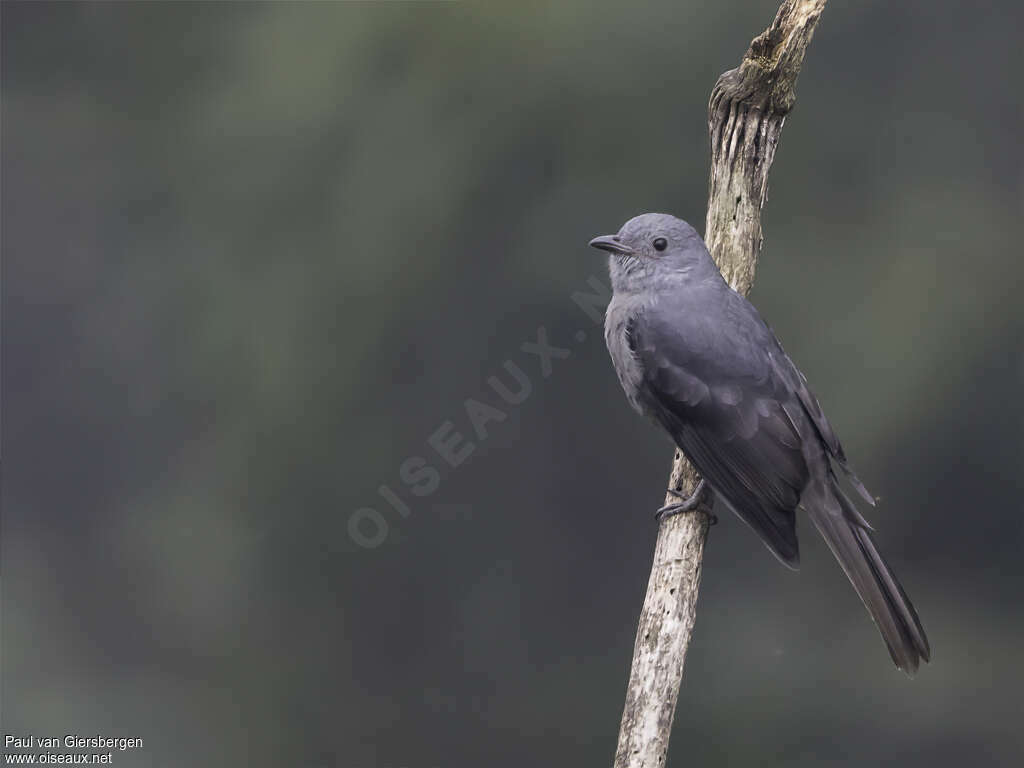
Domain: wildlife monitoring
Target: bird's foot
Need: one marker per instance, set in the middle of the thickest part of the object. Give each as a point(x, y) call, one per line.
point(688, 503)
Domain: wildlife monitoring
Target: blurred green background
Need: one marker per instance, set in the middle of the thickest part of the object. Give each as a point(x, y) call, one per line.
point(255, 254)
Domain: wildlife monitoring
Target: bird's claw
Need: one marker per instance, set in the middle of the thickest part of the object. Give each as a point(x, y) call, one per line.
point(688, 504)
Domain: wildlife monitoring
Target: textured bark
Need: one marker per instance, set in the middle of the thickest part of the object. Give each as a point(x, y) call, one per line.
point(746, 112)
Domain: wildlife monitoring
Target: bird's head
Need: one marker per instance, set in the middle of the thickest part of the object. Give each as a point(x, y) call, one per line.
point(654, 251)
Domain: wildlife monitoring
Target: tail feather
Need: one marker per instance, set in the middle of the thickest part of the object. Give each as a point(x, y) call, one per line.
point(882, 594)
point(855, 481)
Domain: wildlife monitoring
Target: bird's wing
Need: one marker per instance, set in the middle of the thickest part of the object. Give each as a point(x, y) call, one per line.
point(796, 382)
point(732, 414)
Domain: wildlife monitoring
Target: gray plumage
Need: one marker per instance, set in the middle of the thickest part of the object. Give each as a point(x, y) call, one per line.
point(696, 357)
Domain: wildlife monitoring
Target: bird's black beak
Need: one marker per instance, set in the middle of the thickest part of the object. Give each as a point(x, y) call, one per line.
point(611, 244)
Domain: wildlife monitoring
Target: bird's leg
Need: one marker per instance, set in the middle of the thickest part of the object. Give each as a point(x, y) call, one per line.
point(687, 503)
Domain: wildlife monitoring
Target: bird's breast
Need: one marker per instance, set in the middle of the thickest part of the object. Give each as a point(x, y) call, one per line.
point(616, 336)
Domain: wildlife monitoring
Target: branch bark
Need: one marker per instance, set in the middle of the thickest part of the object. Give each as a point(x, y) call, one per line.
point(746, 113)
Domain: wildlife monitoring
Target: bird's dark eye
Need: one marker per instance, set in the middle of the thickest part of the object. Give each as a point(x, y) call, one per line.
point(660, 243)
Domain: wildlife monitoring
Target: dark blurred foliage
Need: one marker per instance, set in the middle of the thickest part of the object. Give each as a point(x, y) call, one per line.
point(255, 254)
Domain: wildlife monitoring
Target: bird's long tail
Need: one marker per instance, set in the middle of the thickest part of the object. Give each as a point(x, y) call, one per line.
point(850, 540)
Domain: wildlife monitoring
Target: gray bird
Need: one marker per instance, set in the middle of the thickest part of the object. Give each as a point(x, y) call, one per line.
point(697, 358)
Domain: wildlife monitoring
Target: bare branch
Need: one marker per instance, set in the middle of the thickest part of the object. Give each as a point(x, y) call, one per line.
point(746, 113)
